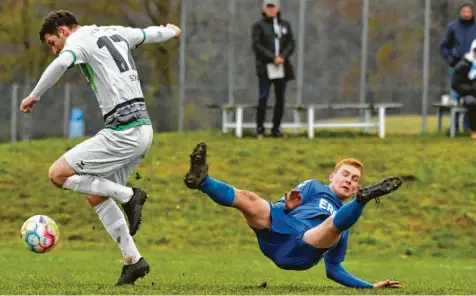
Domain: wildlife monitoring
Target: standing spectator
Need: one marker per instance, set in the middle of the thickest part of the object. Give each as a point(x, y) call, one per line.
point(456, 43)
point(273, 44)
point(464, 82)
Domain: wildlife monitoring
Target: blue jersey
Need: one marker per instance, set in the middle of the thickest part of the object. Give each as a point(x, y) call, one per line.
point(318, 202)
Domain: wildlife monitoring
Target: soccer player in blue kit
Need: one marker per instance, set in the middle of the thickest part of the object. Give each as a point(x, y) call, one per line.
point(307, 224)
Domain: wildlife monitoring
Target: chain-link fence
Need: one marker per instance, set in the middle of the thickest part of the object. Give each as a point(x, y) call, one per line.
point(352, 51)
point(347, 51)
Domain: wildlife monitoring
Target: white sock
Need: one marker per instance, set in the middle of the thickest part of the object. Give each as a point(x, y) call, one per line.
point(97, 185)
point(113, 220)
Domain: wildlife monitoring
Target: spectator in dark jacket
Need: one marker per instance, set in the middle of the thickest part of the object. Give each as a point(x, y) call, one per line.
point(456, 43)
point(464, 82)
point(273, 44)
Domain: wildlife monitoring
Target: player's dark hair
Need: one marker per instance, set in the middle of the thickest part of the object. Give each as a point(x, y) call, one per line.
point(56, 19)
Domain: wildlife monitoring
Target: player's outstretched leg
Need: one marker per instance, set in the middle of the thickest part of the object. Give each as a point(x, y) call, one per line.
point(197, 178)
point(384, 187)
point(255, 210)
point(350, 212)
point(132, 199)
point(328, 233)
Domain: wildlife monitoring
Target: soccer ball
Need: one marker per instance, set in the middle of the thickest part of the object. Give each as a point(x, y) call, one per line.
point(40, 234)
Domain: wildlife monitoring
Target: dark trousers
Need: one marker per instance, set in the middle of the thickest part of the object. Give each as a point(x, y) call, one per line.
point(470, 103)
point(472, 118)
point(264, 90)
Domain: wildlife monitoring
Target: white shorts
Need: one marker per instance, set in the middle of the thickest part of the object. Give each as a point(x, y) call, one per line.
point(112, 154)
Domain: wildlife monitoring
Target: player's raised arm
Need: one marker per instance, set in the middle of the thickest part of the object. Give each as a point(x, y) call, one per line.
point(51, 75)
point(152, 34)
point(336, 272)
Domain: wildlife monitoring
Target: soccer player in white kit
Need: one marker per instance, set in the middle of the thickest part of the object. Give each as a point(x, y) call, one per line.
point(100, 166)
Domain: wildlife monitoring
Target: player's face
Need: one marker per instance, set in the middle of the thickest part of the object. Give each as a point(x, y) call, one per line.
point(345, 182)
point(466, 13)
point(271, 10)
point(55, 42)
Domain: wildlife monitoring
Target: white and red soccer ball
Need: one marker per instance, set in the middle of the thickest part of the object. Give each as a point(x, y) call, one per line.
point(40, 234)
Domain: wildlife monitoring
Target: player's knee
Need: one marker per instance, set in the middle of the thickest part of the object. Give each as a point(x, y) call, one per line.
point(248, 196)
point(330, 226)
point(249, 201)
point(56, 177)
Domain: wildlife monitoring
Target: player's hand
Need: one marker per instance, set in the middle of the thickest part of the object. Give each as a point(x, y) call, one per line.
point(178, 31)
point(387, 284)
point(27, 105)
point(292, 199)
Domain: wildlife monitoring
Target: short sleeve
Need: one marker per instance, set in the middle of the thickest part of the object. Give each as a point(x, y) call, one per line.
point(77, 48)
point(133, 36)
point(307, 189)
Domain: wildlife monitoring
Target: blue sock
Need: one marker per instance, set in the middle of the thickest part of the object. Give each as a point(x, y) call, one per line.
point(221, 193)
point(348, 215)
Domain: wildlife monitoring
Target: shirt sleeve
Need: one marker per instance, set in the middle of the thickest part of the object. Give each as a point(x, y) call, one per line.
point(306, 188)
point(334, 269)
point(51, 75)
point(153, 34)
point(77, 48)
point(133, 36)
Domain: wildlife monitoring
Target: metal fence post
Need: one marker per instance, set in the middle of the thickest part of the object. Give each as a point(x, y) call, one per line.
point(426, 63)
point(13, 116)
point(300, 68)
point(66, 109)
point(183, 22)
point(363, 54)
point(231, 54)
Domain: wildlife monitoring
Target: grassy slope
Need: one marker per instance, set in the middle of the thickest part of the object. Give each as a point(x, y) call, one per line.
point(431, 214)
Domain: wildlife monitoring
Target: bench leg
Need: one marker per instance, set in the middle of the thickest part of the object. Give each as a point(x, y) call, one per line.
point(224, 122)
point(297, 121)
point(439, 118)
point(367, 116)
point(452, 123)
point(310, 122)
point(381, 122)
point(239, 122)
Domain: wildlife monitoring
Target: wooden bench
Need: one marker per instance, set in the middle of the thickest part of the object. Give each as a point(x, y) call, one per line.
point(452, 109)
point(311, 124)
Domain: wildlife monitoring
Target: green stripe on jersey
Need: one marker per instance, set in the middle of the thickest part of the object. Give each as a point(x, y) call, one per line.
point(135, 123)
point(71, 52)
point(89, 74)
point(143, 38)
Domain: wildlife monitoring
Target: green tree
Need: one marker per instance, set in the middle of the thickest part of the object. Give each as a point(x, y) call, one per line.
point(23, 57)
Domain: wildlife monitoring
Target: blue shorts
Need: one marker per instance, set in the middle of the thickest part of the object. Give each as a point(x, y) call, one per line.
point(283, 243)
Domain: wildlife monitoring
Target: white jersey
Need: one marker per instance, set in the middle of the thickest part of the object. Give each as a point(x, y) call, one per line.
point(104, 55)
